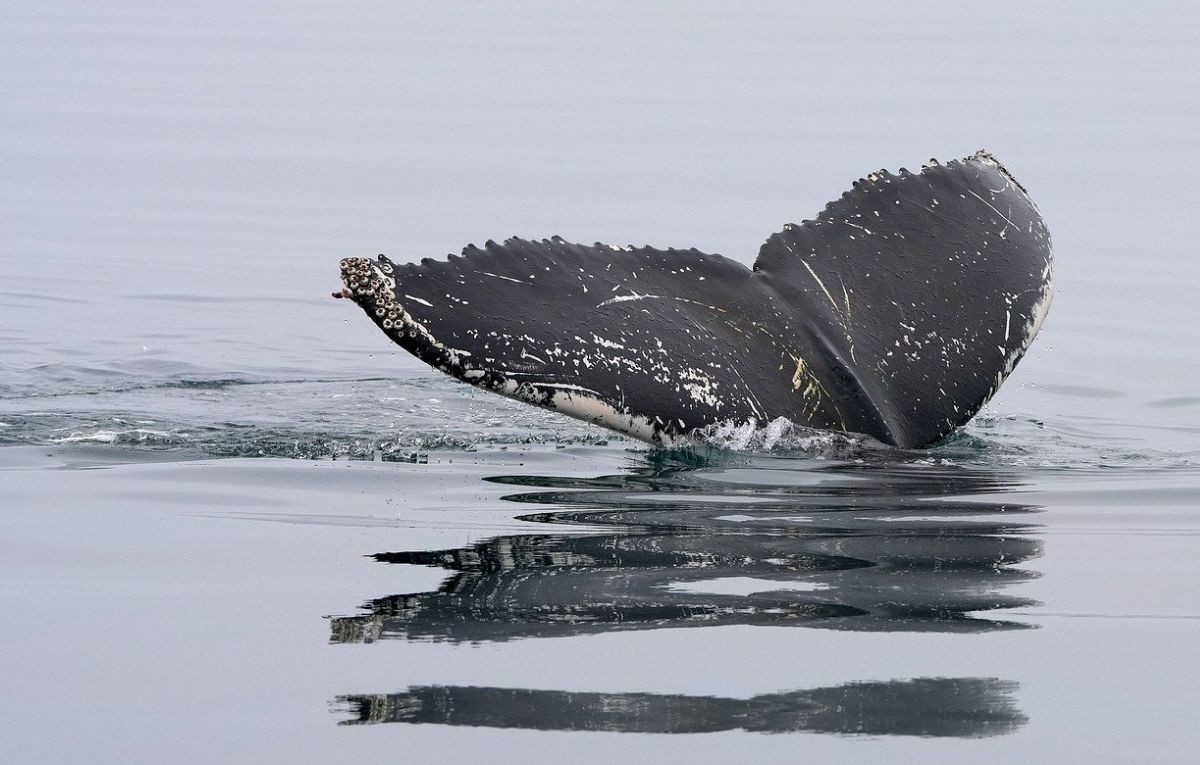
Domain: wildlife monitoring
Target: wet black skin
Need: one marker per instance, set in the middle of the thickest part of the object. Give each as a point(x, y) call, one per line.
point(895, 313)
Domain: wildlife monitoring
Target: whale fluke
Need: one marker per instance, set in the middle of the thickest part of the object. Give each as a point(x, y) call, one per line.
point(896, 313)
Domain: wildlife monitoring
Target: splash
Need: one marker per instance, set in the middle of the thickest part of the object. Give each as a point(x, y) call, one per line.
point(194, 413)
point(780, 436)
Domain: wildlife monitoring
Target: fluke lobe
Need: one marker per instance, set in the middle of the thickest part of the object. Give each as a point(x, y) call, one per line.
point(896, 313)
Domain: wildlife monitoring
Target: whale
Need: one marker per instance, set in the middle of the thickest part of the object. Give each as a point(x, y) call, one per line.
point(896, 313)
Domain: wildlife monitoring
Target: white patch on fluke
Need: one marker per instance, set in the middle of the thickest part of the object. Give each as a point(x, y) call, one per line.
point(700, 387)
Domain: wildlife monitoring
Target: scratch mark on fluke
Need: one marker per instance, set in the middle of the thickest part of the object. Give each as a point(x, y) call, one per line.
point(705, 340)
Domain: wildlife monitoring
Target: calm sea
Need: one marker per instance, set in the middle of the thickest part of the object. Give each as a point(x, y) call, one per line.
point(237, 525)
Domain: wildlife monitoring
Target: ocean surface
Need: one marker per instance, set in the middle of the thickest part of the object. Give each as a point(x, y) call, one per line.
point(237, 525)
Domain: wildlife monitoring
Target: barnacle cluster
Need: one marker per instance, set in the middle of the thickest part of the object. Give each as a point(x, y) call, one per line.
point(371, 286)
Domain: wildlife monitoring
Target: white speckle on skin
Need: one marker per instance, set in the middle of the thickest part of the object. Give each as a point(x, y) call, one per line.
point(498, 276)
point(798, 375)
point(993, 209)
point(606, 343)
point(628, 298)
point(527, 355)
point(821, 284)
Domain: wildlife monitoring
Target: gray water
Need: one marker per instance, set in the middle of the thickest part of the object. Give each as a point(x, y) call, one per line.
point(236, 525)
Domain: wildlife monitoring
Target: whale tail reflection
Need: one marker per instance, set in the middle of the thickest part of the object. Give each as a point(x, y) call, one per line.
point(563, 585)
point(960, 707)
point(689, 552)
point(847, 548)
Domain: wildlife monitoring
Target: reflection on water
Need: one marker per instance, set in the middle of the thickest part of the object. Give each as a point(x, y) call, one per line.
point(692, 542)
point(964, 707)
point(856, 549)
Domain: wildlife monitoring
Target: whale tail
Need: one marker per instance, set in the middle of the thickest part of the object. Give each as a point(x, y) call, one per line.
point(896, 313)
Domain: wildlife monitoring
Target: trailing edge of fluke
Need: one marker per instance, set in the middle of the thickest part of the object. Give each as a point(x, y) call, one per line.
point(896, 313)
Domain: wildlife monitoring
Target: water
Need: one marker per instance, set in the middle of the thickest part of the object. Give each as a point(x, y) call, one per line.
point(237, 525)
